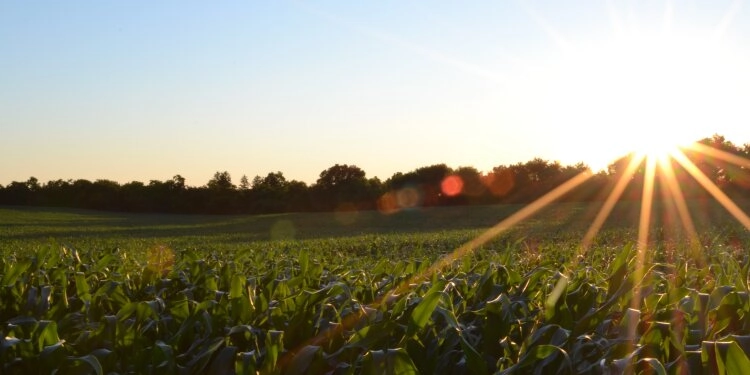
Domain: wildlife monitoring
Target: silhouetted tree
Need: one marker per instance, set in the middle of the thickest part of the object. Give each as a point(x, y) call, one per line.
point(343, 185)
point(104, 195)
point(269, 193)
point(297, 196)
point(499, 182)
point(221, 181)
point(33, 184)
point(17, 193)
point(426, 180)
point(222, 197)
point(59, 193)
point(473, 188)
point(136, 197)
point(244, 183)
point(178, 182)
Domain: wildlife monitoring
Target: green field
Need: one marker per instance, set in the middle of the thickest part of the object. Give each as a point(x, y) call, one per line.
point(95, 292)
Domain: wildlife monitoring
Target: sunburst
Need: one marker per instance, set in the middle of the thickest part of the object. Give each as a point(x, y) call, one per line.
point(638, 86)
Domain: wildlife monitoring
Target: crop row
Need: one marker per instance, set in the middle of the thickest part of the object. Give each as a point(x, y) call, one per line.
point(303, 311)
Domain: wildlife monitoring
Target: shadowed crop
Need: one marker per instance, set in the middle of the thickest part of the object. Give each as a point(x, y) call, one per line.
point(521, 303)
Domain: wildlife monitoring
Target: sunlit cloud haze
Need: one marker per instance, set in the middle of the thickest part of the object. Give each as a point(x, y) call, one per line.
point(141, 90)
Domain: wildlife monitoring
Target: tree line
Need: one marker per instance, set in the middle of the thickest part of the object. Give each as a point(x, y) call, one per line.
point(347, 187)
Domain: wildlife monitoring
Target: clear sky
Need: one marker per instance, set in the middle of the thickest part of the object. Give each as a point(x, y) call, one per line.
point(141, 90)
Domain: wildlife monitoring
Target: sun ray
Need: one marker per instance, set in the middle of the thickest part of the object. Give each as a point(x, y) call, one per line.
point(711, 187)
point(502, 226)
point(720, 154)
point(644, 223)
point(609, 204)
point(676, 200)
point(675, 194)
point(524, 213)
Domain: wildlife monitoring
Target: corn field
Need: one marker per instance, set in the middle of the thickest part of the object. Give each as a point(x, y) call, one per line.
point(297, 309)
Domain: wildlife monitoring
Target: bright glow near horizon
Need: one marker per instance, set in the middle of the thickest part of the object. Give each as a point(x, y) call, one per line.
point(652, 93)
point(138, 91)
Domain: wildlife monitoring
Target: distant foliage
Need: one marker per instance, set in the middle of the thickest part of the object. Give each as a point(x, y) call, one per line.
point(346, 187)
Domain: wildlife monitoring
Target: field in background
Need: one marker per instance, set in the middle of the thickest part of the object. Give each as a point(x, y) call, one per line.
point(25, 227)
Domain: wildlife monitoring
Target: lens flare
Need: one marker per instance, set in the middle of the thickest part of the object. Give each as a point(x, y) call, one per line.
point(388, 203)
point(499, 182)
point(409, 197)
point(452, 185)
point(283, 230)
point(160, 259)
point(346, 214)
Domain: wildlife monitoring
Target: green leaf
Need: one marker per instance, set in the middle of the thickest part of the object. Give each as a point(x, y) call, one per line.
point(650, 366)
point(477, 365)
point(619, 270)
point(16, 270)
point(223, 361)
point(373, 335)
point(238, 286)
point(304, 261)
point(179, 308)
point(390, 361)
point(52, 357)
point(422, 313)
point(82, 287)
point(162, 357)
point(712, 356)
point(274, 347)
point(551, 303)
point(245, 363)
point(198, 363)
point(83, 365)
point(47, 331)
point(736, 362)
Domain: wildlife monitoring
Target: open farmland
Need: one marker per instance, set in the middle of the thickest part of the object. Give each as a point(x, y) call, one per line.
point(368, 293)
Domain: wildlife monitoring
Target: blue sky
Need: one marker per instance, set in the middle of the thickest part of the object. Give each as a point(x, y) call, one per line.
point(146, 90)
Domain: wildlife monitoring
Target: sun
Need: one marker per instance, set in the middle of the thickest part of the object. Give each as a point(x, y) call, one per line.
point(659, 144)
point(640, 92)
point(652, 148)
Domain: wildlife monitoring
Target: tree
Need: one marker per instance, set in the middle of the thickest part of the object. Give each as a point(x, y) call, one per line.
point(244, 183)
point(222, 194)
point(17, 193)
point(426, 180)
point(297, 196)
point(178, 182)
point(56, 193)
point(221, 181)
point(272, 181)
point(340, 185)
point(33, 184)
point(340, 175)
point(135, 196)
point(268, 194)
point(500, 181)
point(472, 181)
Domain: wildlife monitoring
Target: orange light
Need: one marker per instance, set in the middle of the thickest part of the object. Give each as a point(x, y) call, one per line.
point(452, 185)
